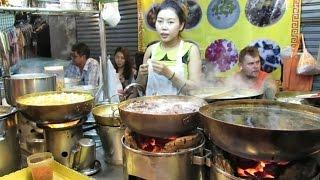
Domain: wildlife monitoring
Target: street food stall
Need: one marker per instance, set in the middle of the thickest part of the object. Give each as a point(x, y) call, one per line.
point(52, 127)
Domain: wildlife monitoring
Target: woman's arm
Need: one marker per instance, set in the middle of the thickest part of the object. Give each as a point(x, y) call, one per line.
point(194, 69)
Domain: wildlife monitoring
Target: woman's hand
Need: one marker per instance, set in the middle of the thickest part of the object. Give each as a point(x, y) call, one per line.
point(121, 78)
point(162, 69)
point(143, 69)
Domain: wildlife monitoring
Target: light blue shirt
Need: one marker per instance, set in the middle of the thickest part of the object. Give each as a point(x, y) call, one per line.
point(90, 73)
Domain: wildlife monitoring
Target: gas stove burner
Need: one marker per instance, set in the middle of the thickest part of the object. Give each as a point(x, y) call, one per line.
point(162, 145)
point(178, 164)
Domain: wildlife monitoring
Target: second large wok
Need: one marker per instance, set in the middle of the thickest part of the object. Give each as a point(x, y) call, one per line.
point(275, 139)
point(225, 93)
point(164, 124)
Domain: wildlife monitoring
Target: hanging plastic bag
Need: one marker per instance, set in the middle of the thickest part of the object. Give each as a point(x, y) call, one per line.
point(110, 13)
point(159, 84)
point(307, 65)
point(114, 84)
point(291, 80)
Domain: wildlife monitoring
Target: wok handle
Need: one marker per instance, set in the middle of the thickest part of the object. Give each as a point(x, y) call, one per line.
point(204, 158)
point(73, 161)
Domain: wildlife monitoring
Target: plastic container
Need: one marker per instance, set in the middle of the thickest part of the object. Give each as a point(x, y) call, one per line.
point(18, 3)
point(40, 165)
point(85, 5)
point(48, 4)
point(59, 73)
point(68, 4)
point(71, 82)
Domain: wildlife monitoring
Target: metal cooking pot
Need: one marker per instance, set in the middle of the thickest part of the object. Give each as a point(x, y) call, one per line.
point(161, 125)
point(186, 164)
point(312, 99)
point(21, 84)
point(291, 96)
point(9, 141)
point(48, 114)
point(290, 138)
point(70, 82)
point(83, 88)
point(207, 92)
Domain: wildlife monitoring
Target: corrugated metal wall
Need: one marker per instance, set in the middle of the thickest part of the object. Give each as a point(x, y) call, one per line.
point(310, 24)
point(124, 34)
point(310, 27)
point(87, 30)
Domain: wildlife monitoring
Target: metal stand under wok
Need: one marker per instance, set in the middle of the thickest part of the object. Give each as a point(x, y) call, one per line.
point(61, 139)
point(184, 164)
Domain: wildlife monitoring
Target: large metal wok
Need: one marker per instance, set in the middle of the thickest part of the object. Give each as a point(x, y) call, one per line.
point(48, 114)
point(163, 124)
point(213, 94)
point(291, 96)
point(107, 114)
point(313, 98)
point(263, 129)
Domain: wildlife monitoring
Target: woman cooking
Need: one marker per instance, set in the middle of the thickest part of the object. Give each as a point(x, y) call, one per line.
point(171, 66)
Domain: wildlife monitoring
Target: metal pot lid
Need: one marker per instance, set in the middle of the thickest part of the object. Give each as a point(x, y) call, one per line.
point(29, 76)
point(6, 111)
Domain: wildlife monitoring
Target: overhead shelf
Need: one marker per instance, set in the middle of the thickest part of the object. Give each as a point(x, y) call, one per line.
point(49, 11)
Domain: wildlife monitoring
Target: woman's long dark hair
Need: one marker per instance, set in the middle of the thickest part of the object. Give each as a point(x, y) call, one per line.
point(127, 72)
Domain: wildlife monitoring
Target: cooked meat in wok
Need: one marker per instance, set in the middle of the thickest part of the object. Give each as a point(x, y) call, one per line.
point(162, 107)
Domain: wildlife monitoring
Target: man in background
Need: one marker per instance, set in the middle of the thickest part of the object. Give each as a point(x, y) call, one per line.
point(251, 76)
point(83, 67)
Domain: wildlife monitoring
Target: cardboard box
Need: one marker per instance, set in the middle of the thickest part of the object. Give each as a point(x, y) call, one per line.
point(60, 172)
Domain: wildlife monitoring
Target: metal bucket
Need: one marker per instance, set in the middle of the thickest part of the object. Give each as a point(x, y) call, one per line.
point(9, 142)
point(111, 142)
point(21, 84)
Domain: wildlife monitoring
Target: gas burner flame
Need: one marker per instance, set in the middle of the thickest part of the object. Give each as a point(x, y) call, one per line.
point(255, 170)
point(262, 170)
point(63, 125)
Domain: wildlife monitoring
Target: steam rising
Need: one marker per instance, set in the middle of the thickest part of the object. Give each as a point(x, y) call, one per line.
point(36, 65)
point(276, 118)
point(213, 85)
